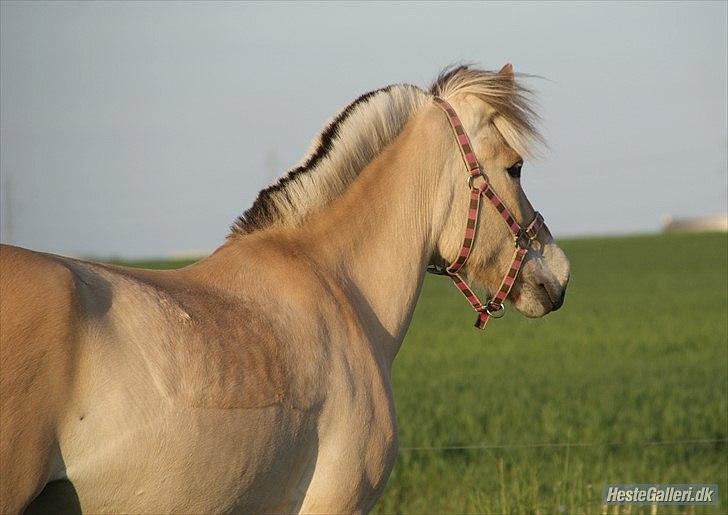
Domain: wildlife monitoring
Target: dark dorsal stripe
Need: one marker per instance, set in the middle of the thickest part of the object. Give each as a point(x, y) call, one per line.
point(263, 212)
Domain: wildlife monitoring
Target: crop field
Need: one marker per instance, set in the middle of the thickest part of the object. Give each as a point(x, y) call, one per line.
point(628, 383)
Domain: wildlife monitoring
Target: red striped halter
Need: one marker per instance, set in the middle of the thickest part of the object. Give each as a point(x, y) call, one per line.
point(522, 236)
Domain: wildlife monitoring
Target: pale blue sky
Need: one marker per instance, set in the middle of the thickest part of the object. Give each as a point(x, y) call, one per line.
point(140, 129)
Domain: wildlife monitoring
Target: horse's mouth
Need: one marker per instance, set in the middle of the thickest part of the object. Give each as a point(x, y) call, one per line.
point(557, 302)
point(534, 300)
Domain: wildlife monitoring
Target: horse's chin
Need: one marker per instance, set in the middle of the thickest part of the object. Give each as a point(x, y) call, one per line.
point(532, 301)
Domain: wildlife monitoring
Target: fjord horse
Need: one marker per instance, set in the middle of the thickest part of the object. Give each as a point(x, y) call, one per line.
point(258, 379)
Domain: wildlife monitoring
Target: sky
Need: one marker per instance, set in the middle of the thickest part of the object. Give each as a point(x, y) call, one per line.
point(143, 129)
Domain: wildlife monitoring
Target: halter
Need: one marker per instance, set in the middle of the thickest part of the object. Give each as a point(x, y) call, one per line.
point(522, 236)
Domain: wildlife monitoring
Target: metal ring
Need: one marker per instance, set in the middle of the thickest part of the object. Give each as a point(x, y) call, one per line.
point(498, 313)
point(471, 177)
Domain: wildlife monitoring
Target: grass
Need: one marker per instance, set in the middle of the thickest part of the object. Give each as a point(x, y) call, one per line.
point(635, 363)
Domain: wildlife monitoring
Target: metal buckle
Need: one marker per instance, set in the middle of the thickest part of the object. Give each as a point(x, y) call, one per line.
point(498, 313)
point(522, 240)
point(437, 270)
point(534, 227)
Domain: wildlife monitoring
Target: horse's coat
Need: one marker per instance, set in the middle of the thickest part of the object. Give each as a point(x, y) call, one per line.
point(257, 380)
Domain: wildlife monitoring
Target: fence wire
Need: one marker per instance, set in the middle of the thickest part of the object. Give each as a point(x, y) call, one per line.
point(698, 441)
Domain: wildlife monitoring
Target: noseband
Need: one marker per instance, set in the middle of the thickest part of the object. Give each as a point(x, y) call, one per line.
point(522, 236)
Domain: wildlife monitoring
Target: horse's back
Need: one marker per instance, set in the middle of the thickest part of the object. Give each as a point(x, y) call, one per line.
point(37, 323)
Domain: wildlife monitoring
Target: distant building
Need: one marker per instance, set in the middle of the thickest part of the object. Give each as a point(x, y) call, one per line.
point(697, 224)
point(190, 254)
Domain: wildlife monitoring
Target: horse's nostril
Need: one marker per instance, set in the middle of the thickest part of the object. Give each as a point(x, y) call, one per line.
point(555, 303)
point(560, 302)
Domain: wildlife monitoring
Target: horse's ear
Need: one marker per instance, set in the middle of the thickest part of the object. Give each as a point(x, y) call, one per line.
point(506, 71)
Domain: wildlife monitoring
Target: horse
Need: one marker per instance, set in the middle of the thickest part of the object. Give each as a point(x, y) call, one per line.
point(257, 379)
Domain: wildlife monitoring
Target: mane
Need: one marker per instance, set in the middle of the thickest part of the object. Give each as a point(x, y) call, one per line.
point(349, 142)
point(364, 128)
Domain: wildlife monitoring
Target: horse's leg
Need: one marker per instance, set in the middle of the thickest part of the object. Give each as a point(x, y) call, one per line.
point(56, 497)
point(351, 482)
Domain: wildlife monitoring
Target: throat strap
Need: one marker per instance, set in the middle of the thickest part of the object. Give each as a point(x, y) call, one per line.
point(522, 236)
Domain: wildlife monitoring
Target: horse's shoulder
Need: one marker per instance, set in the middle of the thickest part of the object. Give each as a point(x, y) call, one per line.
point(234, 357)
point(269, 359)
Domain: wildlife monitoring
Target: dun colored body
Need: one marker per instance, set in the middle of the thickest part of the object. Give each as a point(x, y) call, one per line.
point(258, 379)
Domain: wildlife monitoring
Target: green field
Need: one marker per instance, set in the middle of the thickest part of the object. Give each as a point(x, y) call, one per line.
point(628, 383)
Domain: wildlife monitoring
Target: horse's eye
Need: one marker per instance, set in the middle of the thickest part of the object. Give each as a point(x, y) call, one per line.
point(515, 170)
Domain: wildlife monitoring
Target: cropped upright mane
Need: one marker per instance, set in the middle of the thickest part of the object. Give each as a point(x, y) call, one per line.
point(364, 128)
point(345, 146)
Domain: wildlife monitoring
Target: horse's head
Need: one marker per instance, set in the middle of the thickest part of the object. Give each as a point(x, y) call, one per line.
point(495, 112)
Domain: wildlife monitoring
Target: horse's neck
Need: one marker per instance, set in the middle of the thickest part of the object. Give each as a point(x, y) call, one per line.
point(374, 241)
point(379, 236)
